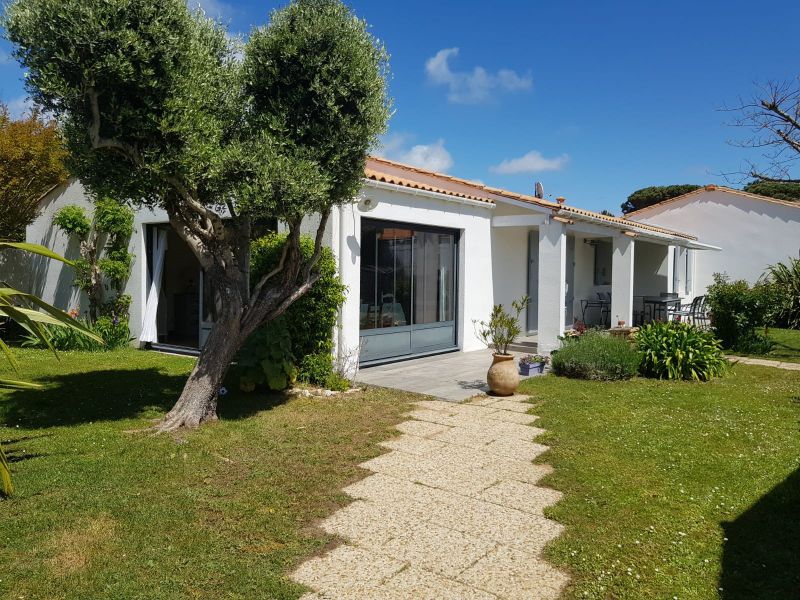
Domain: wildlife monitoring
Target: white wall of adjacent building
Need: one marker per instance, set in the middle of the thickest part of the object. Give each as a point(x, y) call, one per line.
point(752, 234)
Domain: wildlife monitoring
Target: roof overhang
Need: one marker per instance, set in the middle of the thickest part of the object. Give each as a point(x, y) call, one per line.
point(402, 189)
point(589, 224)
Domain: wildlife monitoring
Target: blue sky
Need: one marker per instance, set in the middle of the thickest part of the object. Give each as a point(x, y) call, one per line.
point(595, 99)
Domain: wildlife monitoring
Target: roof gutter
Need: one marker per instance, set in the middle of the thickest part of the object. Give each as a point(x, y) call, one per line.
point(393, 187)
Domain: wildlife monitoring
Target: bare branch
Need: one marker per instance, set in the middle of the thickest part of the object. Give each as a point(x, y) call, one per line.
point(265, 278)
point(774, 119)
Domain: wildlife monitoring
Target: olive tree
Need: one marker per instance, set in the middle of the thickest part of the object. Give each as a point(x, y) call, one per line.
point(161, 107)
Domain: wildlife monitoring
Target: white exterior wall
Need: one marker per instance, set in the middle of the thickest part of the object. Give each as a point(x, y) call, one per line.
point(752, 233)
point(510, 267)
point(552, 285)
point(622, 275)
point(475, 278)
point(53, 280)
point(652, 271)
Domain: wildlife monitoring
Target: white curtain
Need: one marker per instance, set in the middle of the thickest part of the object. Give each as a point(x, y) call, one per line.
point(150, 321)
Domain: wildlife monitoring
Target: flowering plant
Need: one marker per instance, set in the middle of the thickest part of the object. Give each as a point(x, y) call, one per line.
point(530, 359)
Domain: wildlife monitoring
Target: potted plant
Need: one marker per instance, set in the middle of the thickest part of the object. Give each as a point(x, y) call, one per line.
point(499, 332)
point(532, 364)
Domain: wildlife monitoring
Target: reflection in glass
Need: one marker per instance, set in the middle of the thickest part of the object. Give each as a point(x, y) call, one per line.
point(407, 276)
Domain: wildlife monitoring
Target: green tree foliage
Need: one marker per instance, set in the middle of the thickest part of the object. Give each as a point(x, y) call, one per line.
point(158, 109)
point(72, 220)
point(653, 195)
point(301, 341)
point(775, 189)
point(31, 162)
point(104, 251)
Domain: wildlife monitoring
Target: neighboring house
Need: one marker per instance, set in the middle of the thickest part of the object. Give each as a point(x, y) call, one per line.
point(753, 231)
point(423, 255)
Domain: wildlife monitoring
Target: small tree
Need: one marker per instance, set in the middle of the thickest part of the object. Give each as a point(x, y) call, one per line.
point(104, 248)
point(773, 117)
point(503, 328)
point(653, 195)
point(158, 109)
point(31, 162)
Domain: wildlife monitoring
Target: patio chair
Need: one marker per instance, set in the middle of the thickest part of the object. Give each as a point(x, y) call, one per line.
point(603, 302)
point(694, 312)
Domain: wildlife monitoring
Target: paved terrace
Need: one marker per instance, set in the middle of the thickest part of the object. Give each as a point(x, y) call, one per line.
point(455, 376)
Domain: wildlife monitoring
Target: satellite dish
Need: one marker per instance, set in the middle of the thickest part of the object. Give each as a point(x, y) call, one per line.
point(367, 204)
point(539, 193)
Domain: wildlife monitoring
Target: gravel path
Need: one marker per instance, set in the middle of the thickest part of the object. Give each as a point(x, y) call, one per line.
point(453, 511)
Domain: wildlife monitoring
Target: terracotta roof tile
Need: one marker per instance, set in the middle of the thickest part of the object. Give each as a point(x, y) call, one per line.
point(389, 171)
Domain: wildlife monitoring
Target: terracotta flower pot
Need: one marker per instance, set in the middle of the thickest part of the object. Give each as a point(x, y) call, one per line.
point(503, 378)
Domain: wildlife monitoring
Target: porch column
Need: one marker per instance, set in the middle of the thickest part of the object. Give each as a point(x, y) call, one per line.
point(348, 255)
point(622, 280)
point(672, 284)
point(552, 285)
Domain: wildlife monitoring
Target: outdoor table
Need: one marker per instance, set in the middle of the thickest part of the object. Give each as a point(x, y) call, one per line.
point(659, 305)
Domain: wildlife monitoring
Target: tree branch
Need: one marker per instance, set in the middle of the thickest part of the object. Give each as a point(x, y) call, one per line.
point(312, 263)
point(99, 142)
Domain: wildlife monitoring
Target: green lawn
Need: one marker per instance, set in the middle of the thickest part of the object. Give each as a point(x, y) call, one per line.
point(106, 511)
point(787, 345)
point(675, 490)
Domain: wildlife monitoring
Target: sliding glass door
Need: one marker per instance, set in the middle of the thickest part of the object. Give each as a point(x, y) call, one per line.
point(408, 289)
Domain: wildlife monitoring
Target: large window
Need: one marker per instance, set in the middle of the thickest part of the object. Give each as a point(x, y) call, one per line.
point(407, 275)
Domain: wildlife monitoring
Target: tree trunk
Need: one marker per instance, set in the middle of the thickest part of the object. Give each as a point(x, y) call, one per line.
point(198, 401)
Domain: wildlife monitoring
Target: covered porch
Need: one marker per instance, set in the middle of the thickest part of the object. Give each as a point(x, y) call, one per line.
point(579, 268)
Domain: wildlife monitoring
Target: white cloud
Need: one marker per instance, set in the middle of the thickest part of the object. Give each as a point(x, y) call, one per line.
point(473, 87)
point(532, 162)
point(19, 107)
point(434, 157)
point(213, 8)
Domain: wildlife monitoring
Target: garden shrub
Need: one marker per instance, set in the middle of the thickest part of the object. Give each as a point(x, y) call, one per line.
point(786, 278)
point(267, 359)
point(73, 220)
point(337, 383)
point(673, 350)
point(738, 310)
point(308, 324)
point(596, 355)
point(114, 331)
point(316, 368)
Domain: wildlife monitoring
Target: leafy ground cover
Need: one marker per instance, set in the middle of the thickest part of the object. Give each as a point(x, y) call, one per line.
point(106, 511)
point(676, 489)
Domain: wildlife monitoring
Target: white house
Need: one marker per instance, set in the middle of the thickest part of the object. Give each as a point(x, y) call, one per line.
point(754, 232)
point(423, 255)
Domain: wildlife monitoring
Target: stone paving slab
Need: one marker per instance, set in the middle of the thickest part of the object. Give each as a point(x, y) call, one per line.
point(452, 511)
point(763, 362)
